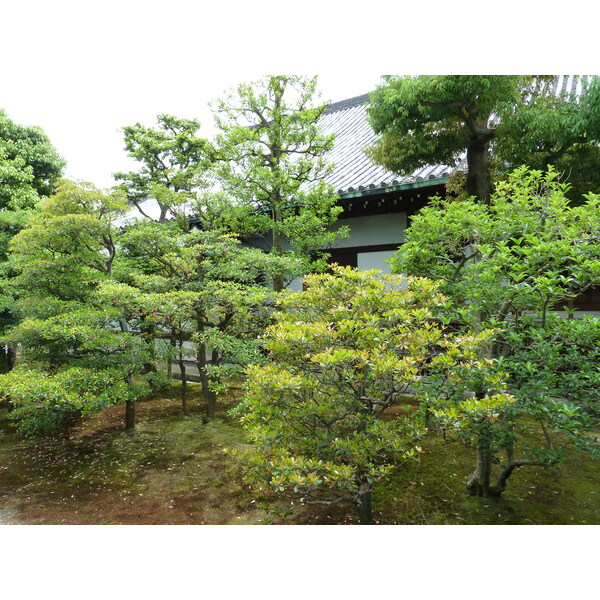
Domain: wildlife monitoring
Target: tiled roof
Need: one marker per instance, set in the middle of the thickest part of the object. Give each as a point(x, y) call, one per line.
point(569, 84)
point(355, 172)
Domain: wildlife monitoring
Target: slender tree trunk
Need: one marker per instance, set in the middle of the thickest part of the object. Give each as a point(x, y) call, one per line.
point(479, 181)
point(365, 504)
point(210, 397)
point(277, 243)
point(173, 343)
point(183, 379)
point(130, 415)
point(478, 483)
point(129, 404)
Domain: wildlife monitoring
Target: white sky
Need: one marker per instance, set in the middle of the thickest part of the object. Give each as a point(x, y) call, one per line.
point(82, 70)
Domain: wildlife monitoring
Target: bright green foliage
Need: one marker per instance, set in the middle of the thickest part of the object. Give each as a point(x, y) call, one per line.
point(44, 403)
point(71, 244)
point(173, 160)
point(208, 291)
point(342, 352)
point(508, 267)
point(271, 160)
point(65, 259)
point(525, 253)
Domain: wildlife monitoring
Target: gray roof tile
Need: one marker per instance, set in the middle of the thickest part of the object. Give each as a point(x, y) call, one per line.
point(353, 169)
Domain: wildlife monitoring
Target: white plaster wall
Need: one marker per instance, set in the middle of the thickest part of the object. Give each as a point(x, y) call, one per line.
point(387, 228)
point(295, 286)
point(374, 260)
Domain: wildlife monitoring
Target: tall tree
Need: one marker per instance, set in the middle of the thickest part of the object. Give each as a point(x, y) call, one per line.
point(173, 159)
point(431, 119)
point(512, 120)
point(506, 269)
point(271, 159)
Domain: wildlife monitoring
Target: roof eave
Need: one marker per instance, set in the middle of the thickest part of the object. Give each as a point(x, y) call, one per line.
point(372, 191)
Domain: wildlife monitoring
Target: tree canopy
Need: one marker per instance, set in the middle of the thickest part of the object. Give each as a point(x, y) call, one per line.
point(173, 159)
point(507, 119)
point(507, 268)
point(271, 159)
point(69, 331)
point(29, 165)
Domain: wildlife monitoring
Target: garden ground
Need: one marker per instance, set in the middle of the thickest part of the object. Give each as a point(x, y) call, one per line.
point(176, 470)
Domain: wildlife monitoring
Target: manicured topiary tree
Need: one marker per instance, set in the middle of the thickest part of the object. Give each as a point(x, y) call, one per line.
point(342, 353)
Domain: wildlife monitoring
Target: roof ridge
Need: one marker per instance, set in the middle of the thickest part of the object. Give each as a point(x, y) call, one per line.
point(349, 103)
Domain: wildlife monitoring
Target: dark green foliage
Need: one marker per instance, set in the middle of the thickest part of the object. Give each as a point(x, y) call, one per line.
point(500, 121)
point(558, 130)
point(44, 403)
point(29, 165)
point(434, 119)
point(207, 295)
point(29, 169)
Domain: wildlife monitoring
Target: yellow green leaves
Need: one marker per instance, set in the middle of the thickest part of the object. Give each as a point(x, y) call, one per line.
point(341, 353)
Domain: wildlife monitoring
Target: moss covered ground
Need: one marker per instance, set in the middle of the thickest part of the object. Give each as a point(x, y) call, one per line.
point(175, 470)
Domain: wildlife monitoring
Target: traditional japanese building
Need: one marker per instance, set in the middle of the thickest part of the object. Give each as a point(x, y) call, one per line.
point(377, 204)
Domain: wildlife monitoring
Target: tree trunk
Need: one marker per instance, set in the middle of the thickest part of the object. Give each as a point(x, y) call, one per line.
point(507, 471)
point(478, 483)
point(277, 248)
point(12, 357)
point(129, 404)
point(183, 380)
point(365, 504)
point(210, 400)
point(479, 181)
point(130, 415)
point(210, 397)
point(147, 334)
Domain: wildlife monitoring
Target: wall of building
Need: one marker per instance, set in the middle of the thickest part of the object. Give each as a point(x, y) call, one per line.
point(367, 235)
point(373, 230)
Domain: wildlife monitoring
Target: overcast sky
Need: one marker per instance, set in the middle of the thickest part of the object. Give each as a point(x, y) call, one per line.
point(83, 119)
point(82, 70)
